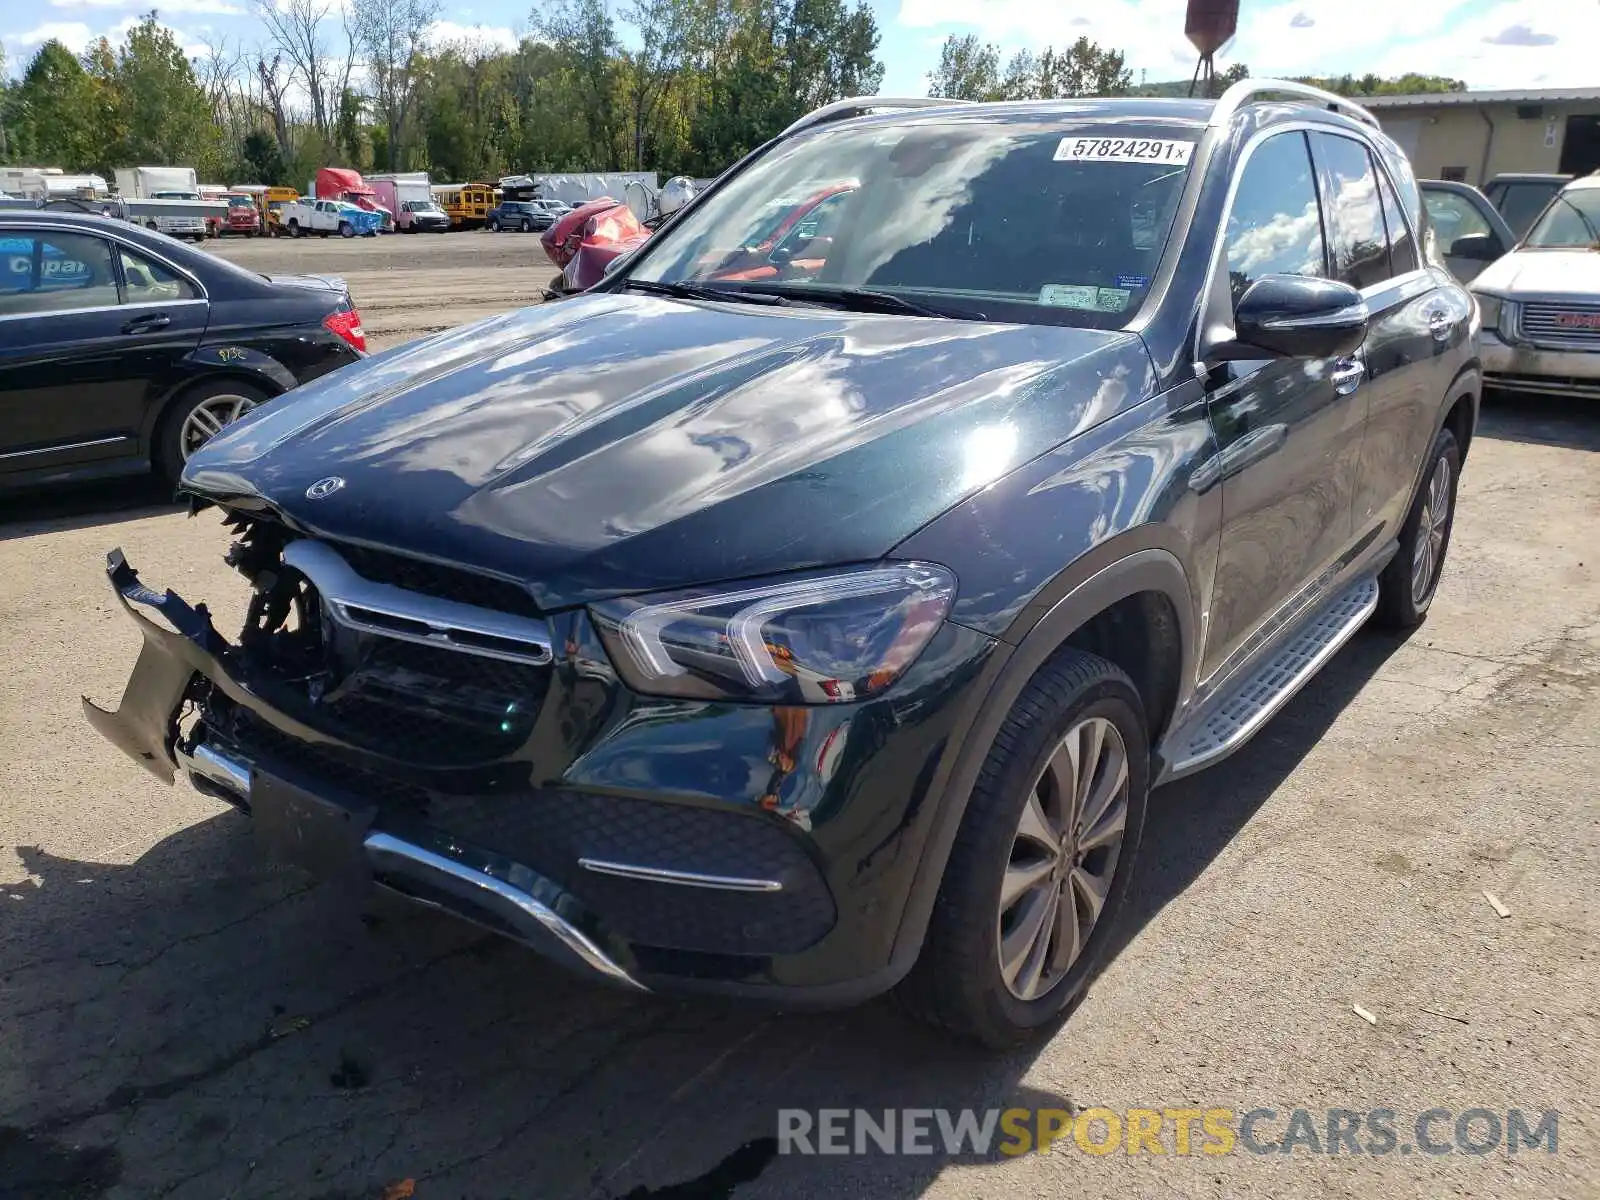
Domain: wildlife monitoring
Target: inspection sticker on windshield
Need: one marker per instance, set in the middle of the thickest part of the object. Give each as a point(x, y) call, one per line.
point(1146, 150)
point(1078, 295)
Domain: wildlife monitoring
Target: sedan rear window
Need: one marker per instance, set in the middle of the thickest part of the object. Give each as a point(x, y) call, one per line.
point(1048, 222)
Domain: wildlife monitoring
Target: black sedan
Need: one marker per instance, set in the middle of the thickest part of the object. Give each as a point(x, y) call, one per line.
point(123, 350)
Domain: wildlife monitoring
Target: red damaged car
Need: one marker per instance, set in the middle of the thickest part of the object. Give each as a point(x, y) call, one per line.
point(585, 241)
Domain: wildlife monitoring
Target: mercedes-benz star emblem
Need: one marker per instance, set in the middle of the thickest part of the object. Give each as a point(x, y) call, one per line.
point(323, 488)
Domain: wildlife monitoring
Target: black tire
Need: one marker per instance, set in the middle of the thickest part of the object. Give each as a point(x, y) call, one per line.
point(957, 984)
point(1403, 602)
point(168, 457)
point(494, 225)
point(294, 228)
point(527, 225)
point(346, 230)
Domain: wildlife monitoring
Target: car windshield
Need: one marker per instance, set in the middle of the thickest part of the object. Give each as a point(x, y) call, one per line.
point(1572, 222)
point(1005, 218)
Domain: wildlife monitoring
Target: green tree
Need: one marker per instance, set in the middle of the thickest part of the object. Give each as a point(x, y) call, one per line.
point(164, 113)
point(56, 112)
point(390, 34)
point(263, 162)
point(970, 70)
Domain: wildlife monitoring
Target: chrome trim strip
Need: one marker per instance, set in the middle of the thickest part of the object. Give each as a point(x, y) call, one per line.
point(353, 601)
point(101, 308)
point(387, 852)
point(56, 449)
point(219, 768)
point(727, 883)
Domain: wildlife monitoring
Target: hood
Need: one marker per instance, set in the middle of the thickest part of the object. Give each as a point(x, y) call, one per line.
point(615, 443)
point(1530, 274)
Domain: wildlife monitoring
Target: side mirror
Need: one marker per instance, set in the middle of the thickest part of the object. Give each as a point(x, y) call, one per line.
point(1290, 316)
point(1478, 247)
point(617, 262)
point(781, 255)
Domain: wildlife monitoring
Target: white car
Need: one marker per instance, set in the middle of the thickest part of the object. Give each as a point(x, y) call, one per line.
point(1541, 302)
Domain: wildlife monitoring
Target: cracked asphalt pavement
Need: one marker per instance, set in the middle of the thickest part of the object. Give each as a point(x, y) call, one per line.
point(179, 1018)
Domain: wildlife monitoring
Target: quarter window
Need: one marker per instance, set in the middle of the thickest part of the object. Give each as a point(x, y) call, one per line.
point(1402, 246)
point(149, 282)
point(1274, 227)
point(1354, 208)
point(50, 272)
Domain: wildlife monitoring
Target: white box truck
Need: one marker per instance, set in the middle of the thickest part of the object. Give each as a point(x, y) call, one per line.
point(168, 199)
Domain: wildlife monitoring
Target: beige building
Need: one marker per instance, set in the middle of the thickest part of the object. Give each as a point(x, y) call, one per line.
point(1473, 136)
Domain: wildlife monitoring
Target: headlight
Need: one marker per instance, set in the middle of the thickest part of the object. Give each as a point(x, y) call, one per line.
point(815, 639)
point(1489, 307)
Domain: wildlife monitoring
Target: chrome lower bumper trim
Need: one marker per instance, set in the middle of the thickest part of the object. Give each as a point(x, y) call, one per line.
point(219, 768)
point(727, 883)
point(394, 860)
point(453, 884)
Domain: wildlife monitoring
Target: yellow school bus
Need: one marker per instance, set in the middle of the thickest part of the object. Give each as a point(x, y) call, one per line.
point(467, 203)
point(268, 201)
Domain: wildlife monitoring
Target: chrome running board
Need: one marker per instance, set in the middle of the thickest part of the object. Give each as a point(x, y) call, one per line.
point(1234, 717)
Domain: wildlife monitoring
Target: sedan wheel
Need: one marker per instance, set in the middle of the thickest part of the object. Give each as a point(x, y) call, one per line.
point(209, 418)
point(1063, 858)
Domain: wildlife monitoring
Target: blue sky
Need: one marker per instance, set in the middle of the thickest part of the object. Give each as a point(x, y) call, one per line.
point(1489, 43)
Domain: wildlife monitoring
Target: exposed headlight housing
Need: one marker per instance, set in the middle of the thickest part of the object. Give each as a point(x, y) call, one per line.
point(813, 639)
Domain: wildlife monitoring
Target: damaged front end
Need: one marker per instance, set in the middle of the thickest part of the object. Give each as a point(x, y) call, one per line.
point(342, 689)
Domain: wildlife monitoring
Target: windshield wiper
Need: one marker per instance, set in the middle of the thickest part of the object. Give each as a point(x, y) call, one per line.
point(867, 299)
point(696, 291)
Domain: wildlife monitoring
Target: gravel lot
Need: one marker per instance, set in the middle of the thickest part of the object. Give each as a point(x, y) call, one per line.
point(180, 1019)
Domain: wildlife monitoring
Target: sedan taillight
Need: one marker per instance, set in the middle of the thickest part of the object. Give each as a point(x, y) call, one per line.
point(347, 324)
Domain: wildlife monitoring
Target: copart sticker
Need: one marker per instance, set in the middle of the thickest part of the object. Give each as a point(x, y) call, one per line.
point(1145, 150)
point(1083, 295)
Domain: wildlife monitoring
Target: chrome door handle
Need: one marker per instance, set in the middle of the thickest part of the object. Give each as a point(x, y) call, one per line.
point(1348, 374)
point(1440, 325)
point(147, 324)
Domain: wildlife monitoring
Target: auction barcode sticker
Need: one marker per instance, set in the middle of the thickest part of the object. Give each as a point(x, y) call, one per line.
point(1147, 150)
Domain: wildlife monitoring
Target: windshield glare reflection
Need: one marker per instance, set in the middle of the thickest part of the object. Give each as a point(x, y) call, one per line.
point(979, 218)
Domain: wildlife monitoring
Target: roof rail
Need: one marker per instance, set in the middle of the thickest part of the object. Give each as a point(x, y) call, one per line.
point(1246, 90)
point(856, 106)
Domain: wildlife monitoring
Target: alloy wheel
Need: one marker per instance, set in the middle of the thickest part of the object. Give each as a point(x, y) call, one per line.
point(1063, 858)
point(209, 418)
point(1431, 528)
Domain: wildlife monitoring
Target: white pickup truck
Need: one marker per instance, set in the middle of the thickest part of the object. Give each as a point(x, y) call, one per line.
point(322, 217)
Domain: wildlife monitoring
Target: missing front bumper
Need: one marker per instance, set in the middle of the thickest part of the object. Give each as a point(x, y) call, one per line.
point(329, 836)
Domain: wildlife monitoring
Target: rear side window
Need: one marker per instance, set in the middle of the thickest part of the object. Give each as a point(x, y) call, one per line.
point(1357, 239)
point(51, 272)
point(1274, 227)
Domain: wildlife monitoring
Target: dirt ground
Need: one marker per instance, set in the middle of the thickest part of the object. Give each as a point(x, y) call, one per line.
point(178, 1018)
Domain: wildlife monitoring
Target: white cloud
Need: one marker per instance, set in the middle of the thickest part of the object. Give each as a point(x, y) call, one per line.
point(1503, 45)
point(445, 33)
point(225, 8)
point(74, 35)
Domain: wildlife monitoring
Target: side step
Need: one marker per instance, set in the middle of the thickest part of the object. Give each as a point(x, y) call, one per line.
point(1233, 718)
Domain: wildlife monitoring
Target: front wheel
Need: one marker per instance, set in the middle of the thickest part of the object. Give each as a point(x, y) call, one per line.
point(494, 226)
point(526, 225)
point(346, 230)
point(294, 229)
point(1042, 861)
point(1407, 586)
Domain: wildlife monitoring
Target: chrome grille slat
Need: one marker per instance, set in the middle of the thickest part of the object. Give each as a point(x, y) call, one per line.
point(1549, 325)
